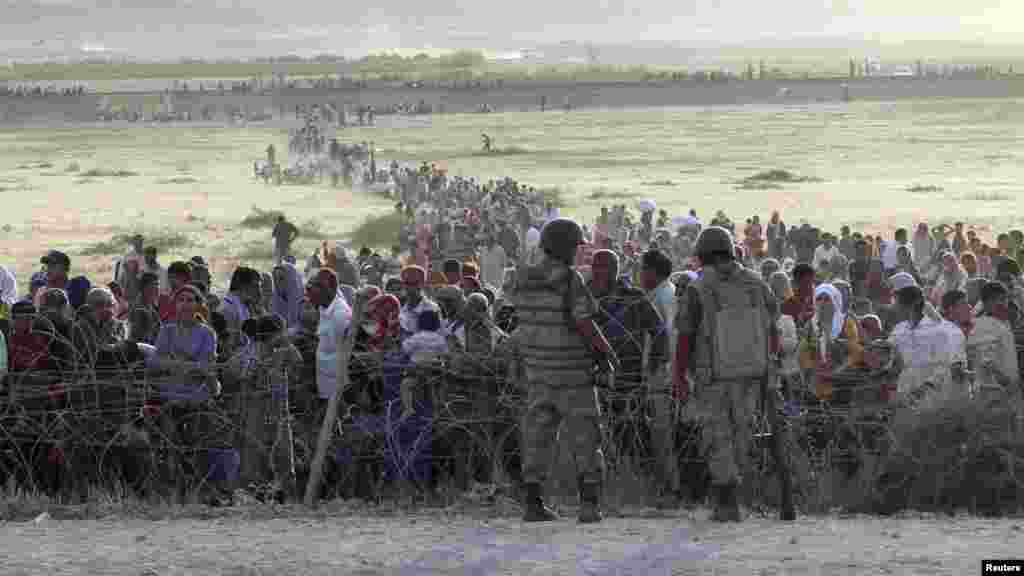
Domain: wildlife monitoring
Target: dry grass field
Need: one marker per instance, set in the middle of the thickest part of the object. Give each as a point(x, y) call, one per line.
point(874, 166)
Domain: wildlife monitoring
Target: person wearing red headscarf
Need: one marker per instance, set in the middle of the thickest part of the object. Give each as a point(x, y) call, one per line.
point(383, 310)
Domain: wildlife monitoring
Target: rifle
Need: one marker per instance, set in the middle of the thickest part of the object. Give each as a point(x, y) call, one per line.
point(779, 433)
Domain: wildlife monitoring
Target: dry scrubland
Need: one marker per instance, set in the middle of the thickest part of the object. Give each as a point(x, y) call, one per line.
point(871, 165)
point(190, 189)
point(342, 539)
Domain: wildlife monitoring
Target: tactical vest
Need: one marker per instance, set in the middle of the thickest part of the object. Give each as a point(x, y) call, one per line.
point(550, 346)
point(734, 328)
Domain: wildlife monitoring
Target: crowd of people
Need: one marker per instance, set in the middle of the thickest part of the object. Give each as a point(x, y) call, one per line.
point(460, 283)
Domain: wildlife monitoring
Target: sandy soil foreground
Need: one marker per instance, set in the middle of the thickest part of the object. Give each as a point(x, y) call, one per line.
point(646, 543)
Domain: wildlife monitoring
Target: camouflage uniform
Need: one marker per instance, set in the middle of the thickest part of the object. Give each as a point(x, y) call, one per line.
point(725, 403)
point(558, 370)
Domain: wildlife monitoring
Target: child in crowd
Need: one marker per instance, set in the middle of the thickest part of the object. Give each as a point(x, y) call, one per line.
point(423, 348)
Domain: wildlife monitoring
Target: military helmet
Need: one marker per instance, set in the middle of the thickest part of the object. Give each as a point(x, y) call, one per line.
point(712, 240)
point(560, 238)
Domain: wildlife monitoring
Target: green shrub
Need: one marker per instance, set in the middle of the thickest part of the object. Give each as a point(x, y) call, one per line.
point(777, 175)
point(261, 218)
point(163, 241)
point(105, 173)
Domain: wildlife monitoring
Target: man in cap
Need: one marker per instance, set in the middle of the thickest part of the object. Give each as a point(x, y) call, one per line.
point(413, 280)
point(655, 273)
point(335, 318)
point(628, 319)
point(558, 342)
point(927, 347)
point(726, 322)
point(58, 268)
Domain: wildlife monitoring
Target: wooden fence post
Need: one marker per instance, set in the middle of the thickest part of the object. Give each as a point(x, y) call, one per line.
point(346, 342)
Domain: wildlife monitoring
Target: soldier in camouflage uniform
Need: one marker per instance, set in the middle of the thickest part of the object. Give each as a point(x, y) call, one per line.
point(558, 342)
point(726, 322)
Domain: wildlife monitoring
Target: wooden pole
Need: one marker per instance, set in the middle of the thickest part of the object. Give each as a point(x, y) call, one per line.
point(345, 344)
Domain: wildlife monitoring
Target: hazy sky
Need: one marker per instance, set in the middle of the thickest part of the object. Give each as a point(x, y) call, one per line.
point(230, 28)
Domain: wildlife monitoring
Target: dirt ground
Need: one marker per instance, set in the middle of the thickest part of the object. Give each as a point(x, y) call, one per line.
point(364, 542)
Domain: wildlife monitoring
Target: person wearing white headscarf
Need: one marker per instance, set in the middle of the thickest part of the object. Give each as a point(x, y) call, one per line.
point(532, 243)
point(832, 315)
point(8, 287)
point(832, 324)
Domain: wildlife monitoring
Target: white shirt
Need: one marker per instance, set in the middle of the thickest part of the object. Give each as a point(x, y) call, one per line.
point(928, 352)
point(334, 321)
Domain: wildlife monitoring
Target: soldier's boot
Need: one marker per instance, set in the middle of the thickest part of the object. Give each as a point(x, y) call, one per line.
point(590, 503)
point(727, 506)
point(536, 511)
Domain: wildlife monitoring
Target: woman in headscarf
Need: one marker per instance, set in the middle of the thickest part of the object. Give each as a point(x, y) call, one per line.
point(831, 325)
point(8, 287)
point(382, 323)
point(952, 277)
point(924, 246)
point(289, 291)
point(790, 338)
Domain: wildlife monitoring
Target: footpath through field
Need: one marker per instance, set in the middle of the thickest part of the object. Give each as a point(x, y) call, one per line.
point(368, 543)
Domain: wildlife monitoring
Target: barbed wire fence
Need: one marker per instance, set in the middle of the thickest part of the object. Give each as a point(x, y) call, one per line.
point(67, 432)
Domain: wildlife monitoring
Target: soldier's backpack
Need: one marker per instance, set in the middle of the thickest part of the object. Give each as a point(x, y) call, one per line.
point(737, 324)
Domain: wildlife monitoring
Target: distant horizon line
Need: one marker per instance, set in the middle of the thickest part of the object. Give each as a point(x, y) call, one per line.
point(728, 51)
